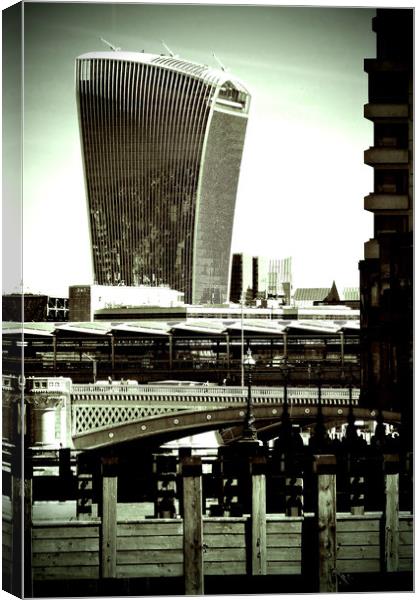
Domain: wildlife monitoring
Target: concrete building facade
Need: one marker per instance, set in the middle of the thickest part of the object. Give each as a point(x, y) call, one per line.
point(386, 273)
point(162, 142)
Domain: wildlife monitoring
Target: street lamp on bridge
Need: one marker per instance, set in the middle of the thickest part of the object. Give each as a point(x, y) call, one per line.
point(250, 433)
point(94, 365)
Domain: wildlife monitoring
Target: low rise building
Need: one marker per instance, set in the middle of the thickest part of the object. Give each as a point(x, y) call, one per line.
point(86, 300)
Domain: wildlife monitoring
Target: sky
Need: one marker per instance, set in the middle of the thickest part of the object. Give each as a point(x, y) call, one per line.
point(302, 180)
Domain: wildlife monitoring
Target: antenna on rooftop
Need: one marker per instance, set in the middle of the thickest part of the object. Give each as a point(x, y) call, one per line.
point(168, 49)
point(221, 65)
point(110, 45)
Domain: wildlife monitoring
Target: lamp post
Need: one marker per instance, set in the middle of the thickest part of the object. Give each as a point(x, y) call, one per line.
point(94, 365)
point(320, 430)
point(250, 433)
point(351, 431)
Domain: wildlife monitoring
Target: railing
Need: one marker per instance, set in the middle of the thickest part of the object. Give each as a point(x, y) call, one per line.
point(212, 394)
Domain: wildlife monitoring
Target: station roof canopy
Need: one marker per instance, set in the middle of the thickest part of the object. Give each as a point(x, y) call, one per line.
point(89, 328)
point(263, 326)
point(203, 327)
point(350, 325)
point(28, 329)
point(206, 326)
point(315, 326)
point(145, 327)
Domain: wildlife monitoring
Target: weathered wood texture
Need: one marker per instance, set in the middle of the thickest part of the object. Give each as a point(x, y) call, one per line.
point(326, 520)
point(358, 543)
point(391, 523)
point(258, 526)
point(405, 538)
point(109, 525)
point(284, 547)
point(150, 548)
point(7, 563)
point(193, 526)
point(154, 547)
point(67, 550)
point(225, 546)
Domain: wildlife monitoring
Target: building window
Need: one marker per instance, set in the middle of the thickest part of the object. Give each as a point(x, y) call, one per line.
point(389, 181)
point(391, 135)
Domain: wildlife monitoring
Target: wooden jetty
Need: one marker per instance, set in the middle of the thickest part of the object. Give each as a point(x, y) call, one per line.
point(195, 546)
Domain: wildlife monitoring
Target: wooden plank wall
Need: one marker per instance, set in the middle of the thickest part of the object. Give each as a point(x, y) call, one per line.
point(358, 543)
point(7, 563)
point(65, 550)
point(150, 548)
point(406, 543)
point(154, 547)
point(225, 546)
point(284, 546)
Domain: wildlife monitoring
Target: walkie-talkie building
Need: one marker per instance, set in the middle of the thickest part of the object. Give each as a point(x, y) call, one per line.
point(162, 142)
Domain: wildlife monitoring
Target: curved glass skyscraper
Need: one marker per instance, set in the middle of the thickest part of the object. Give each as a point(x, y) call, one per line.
point(162, 143)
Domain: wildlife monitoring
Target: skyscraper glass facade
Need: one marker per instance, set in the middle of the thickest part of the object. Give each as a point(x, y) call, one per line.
point(162, 144)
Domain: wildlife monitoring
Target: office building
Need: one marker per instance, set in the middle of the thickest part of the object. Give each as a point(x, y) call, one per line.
point(241, 277)
point(273, 276)
point(162, 142)
point(34, 307)
point(86, 300)
point(386, 273)
point(260, 277)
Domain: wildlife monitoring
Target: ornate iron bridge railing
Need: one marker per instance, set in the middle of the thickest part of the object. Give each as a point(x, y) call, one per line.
point(100, 406)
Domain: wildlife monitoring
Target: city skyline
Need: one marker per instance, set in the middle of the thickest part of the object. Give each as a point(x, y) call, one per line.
point(302, 180)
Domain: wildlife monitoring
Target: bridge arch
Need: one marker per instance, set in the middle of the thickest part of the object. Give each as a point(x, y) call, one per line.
point(181, 424)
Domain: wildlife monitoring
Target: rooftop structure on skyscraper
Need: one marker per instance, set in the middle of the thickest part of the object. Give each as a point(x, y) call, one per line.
point(162, 142)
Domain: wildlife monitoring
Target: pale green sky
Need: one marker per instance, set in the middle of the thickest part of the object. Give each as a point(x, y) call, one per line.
point(302, 181)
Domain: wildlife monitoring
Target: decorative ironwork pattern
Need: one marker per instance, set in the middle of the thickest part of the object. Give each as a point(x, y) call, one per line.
point(95, 407)
point(91, 417)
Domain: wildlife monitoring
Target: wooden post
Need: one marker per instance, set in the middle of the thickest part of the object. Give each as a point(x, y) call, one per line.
point(193, 526)
point(108, 548)
point(325, 468)
point(258, 517)
point(391, 513)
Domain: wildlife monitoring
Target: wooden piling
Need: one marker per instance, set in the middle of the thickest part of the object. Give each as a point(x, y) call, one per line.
point(391, 537)
point(258, 517)
point(325, 469)
point(108, 542)
point(193, 526)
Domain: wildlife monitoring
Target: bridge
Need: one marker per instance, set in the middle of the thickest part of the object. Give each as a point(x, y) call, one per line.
point(93, 416)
